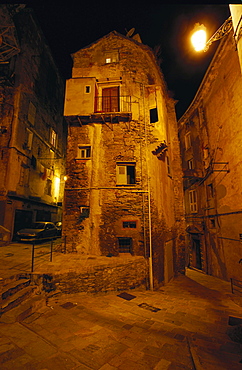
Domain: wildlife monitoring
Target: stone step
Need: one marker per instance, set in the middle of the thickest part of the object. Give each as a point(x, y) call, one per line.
point(15, 299)
point(24, 310)
point(13, 287)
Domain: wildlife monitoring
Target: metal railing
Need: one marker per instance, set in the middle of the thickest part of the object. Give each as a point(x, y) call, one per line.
point(112, 104)
point(35, 247)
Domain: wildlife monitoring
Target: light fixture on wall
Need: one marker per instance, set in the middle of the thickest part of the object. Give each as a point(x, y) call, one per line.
point(199, 38)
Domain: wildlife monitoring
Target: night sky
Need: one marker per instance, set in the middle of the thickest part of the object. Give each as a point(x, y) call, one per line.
point(69, 28)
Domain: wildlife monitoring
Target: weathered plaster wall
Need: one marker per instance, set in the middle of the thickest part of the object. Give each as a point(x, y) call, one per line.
point(214, 122)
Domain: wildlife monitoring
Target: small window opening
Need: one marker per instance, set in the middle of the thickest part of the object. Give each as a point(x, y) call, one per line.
point(88, 89)
point(129, 224)
point(210, 190)
point(84, 152)
point(212, 223)
point(125, 245)
point(153, 115)
point(193, 201)
point(126, 174)
point(168, 166)
point(188, 140)
point(190, 164)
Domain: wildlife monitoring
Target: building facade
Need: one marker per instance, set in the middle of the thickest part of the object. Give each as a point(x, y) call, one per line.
point(210, 137)
point(123, 192)
point(33, 131)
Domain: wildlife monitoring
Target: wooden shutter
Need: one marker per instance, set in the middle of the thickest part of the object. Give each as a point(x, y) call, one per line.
point(110, 101)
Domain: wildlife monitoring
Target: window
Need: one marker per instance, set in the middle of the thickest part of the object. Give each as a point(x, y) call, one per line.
point(129, 224)
point(31, 113)
point(53, 137)
point(168, 166)
point(24, 175)
point(83, 152)
point(110, 99)
point(29, 140)
point(212, 223)
point(188, 140)
point(48, 189)
point(153, 115)
point(210, 191)
point(190, 164)
point(111, 56)
point(125, 173)
point(193, 201)
point(87, 89)
point(125, 245)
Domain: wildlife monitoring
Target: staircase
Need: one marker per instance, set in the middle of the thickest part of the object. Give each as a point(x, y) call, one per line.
point(19, 298)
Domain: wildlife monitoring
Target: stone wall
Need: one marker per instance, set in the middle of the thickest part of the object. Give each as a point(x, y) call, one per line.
point(114, 275)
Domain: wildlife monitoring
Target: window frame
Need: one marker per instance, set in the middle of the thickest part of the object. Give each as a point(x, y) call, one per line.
point(31, 113)
point(121, 247)
point(193, 204)
point(120, 176)
point(188, 140)
point(190, 164)
point(85, 149)
point(53, 137)
point(129, 222)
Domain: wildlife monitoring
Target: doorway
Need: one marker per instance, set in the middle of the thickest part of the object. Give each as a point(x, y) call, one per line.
point(196, 251)
point(22, 220)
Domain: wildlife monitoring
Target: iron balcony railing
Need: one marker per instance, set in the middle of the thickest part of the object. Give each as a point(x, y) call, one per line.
point(111, 104)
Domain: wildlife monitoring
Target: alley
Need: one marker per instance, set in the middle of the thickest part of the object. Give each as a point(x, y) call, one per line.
point(181, 326)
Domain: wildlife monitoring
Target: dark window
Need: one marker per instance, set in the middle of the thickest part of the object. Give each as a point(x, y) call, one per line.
point(153, 115)
point(83, 152)
point(125, 245)
point(168, 166)
point(48, 188)
point(129, 224)
point(190, 164)
point(110, 99)
point(125, 173)
point(210, 191)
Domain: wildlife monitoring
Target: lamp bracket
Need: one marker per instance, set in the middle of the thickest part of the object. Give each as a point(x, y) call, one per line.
point(220, 33)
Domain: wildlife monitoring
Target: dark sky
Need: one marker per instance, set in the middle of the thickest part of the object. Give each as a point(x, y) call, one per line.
point(70, 27)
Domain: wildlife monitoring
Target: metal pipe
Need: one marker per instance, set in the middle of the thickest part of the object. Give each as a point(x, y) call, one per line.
point(32, 258)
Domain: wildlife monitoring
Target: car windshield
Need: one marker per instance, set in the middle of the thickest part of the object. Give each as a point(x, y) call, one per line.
point(38, 225)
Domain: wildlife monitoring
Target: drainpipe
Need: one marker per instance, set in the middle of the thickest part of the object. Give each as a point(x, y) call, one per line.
point(149, 202)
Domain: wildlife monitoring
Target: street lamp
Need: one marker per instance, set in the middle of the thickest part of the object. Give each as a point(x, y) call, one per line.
point(198, 38)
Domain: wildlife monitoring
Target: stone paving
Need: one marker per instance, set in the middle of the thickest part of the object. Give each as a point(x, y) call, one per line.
point(180, 327)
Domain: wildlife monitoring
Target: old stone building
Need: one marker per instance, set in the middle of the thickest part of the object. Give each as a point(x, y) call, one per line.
point(211, 136)
point(123, 194)
point(32, 132)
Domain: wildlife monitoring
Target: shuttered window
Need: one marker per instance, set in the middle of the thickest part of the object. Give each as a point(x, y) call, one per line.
point(110, 99)
point(193, 201)
point(125, 173)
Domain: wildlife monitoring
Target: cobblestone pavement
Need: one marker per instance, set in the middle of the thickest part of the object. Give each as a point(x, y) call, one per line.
point(182, 326)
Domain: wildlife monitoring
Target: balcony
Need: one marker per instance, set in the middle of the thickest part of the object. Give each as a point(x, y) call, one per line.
point(107, 109)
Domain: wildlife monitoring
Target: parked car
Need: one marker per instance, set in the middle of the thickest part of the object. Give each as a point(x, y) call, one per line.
point(38, 231)
point(58, 225)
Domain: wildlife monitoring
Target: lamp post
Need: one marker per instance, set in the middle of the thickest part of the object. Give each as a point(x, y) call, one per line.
point(199, 35)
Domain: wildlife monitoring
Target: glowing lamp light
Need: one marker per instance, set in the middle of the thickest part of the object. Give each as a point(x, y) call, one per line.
point(199, 37)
